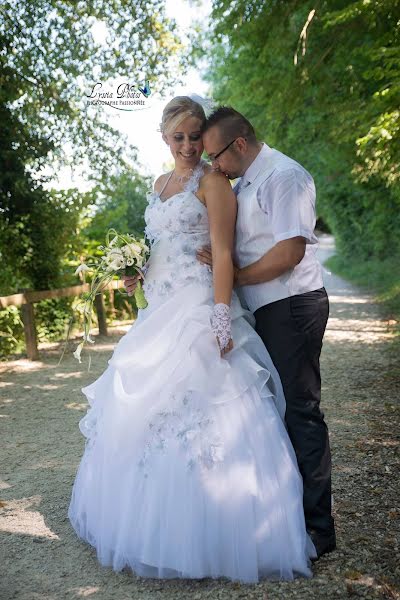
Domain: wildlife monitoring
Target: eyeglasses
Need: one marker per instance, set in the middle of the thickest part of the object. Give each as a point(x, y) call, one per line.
point(213, 158)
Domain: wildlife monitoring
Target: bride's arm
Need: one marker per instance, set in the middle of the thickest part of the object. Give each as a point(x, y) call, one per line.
point(222, 208)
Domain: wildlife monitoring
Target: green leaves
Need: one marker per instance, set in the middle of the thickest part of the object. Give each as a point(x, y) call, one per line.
point(320, 82)
point(52, 52)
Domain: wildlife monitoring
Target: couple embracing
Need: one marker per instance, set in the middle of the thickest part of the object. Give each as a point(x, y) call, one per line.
point(207, 452)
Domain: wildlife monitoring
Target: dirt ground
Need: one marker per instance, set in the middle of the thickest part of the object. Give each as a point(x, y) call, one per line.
point(41, 445)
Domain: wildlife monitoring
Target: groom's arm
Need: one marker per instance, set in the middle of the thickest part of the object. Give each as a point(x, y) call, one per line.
point(282, 257)
point(288, 198)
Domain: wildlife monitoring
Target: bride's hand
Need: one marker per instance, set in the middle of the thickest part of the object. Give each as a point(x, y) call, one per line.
point(221, 326)
point(227, 349)
point(130, 282)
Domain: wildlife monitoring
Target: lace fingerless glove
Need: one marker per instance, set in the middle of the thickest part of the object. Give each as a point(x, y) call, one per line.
point(221, 324)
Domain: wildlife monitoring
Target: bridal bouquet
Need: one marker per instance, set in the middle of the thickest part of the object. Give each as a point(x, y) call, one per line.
point(122, 255)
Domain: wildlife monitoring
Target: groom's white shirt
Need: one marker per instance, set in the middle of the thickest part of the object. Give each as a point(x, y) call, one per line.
point(276, 201)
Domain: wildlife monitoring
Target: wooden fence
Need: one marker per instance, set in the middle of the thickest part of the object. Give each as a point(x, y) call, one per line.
point(26, 299)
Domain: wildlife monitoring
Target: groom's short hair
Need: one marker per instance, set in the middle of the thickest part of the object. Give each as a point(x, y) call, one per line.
point(232, 124)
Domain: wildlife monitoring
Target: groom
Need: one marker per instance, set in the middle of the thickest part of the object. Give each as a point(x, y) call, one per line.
point(278, 277)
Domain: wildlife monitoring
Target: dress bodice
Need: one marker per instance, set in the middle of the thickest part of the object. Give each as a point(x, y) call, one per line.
point(176, 228)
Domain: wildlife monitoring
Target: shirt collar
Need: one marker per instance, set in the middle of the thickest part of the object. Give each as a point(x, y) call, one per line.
point(255, 167)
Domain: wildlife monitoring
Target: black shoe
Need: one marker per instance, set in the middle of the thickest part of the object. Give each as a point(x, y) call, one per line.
point(323, 544)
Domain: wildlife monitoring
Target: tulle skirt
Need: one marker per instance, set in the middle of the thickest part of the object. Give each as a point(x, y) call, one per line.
point(188, 470)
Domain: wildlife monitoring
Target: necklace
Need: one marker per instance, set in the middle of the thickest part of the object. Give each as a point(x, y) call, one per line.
point(181, 178)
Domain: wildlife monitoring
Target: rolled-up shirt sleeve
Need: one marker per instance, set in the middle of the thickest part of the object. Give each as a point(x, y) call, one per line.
point(289, 199)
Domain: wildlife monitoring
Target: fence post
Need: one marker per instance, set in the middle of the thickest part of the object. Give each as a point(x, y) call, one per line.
point(28, 319)
point(112, 299)
point(101, 313)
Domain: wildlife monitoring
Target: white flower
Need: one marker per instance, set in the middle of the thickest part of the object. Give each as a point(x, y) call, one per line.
point(78, 351)
point(126, 250)
point(115, 259)
point(115, 252)
point(135, 248)
point(129, 261)
point(82, 267)
point(88, 339)
point(116, 265)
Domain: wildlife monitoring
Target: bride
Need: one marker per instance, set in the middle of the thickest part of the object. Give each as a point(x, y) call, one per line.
point(188, 470)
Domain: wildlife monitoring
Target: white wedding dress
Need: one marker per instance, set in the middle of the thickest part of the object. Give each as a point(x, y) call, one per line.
point(188, 470)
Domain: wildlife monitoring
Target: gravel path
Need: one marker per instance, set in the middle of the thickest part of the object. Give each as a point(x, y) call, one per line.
point(41, 445)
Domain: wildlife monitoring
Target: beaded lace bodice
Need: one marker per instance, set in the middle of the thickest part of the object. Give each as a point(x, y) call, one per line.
point(176, 228)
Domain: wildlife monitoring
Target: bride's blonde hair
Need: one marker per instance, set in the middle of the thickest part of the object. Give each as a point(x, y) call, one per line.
point(178, 109)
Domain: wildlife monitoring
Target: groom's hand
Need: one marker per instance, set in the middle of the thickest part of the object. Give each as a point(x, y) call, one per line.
point(204, 255)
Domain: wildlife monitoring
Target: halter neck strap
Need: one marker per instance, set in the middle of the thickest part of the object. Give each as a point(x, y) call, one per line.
point(166, 183)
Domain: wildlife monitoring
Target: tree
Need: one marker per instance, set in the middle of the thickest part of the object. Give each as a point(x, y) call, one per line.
point(319, 80)
point(48, 58)
point(50, 48)
point(120, 204)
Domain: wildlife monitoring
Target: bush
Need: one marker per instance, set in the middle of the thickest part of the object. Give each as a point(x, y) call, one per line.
point(11, 331)
point(52, 317)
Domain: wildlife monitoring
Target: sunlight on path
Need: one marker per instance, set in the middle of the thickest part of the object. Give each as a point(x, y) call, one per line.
point(353, 315)
point(40, 406)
